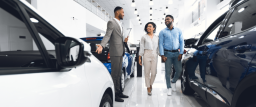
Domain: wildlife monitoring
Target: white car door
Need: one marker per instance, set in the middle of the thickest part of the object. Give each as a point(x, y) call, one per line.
point(25, 78)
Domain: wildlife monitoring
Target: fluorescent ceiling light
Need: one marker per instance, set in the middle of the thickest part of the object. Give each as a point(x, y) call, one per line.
point(133, 3)
point(151, 11)
point(151, 2)
point(34, 20)
point(230, 25)
point(242, 9)
point(135, 12)
point(170, 2)
point(166, 10)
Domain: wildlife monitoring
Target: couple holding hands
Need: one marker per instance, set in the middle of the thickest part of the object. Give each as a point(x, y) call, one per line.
point(166, 45)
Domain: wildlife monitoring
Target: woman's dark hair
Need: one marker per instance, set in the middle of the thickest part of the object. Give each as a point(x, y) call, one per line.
point(153, 24)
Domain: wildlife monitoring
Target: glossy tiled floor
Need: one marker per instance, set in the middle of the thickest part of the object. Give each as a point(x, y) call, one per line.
point(135, 88)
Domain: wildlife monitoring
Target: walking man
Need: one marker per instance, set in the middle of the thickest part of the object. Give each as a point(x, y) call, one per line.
point(170, 40)
point(114, 35)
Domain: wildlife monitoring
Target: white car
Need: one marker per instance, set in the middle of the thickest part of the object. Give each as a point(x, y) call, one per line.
point(40, 67)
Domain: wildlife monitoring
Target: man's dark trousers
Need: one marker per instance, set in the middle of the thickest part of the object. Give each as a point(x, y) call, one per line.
point(116, 71)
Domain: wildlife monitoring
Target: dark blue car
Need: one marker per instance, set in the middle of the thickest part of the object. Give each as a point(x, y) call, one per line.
point(128, 65)
point(223, 70)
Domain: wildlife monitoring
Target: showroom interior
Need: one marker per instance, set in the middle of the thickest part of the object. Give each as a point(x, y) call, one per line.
point(60, 53)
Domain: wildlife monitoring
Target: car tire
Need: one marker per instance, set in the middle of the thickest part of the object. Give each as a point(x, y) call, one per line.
point(122, 81)
point(106, 101)
point(185, 87)
point(247, 98)
point(132, 75)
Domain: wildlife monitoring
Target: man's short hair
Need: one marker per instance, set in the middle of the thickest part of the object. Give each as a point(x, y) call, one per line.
point(169, 16)
point(117, 8)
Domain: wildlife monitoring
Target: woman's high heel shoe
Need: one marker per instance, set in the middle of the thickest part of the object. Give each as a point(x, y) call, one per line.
point(149, 92)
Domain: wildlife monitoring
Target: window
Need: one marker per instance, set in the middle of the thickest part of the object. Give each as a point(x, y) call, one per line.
point(212, 34)
point(243, 18)
point(16, 44)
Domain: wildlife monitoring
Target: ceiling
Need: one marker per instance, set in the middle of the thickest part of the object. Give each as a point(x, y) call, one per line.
point(143, 8)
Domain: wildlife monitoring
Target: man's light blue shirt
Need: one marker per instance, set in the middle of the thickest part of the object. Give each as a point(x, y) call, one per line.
point(171, 40)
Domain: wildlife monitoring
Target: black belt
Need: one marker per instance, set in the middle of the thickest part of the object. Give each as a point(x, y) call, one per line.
point(171, 50)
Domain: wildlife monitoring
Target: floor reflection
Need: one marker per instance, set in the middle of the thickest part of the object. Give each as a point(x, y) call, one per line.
point(138, 97)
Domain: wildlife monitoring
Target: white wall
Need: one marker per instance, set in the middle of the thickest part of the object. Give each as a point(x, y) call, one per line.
point(185, 20)
point(95, 21)
point(66, 15)
point(90, 34)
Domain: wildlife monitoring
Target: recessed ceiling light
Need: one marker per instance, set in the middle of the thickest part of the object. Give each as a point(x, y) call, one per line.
point(135, 12)
point(151, 2)
point(133, 3)
point(150, 16)
point(170, 2)
point(166, 10)
point(150, 11)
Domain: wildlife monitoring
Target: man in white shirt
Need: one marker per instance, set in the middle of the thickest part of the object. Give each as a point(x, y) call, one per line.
point(115, 37)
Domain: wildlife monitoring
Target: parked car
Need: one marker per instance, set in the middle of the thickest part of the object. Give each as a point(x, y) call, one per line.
point(230, 58)
point(41, 67)
point(128, 65)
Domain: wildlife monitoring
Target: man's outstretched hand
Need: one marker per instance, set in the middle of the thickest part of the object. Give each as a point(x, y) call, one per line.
point(99, 49)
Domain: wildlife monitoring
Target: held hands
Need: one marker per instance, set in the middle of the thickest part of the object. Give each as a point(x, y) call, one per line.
point(164, 58)
point(99, 49)
point(140, 62)
point(179, 57)
point(126, 39)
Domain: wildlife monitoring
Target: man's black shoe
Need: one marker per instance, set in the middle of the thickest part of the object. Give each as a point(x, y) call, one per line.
point(118, 99)
point(123, 96)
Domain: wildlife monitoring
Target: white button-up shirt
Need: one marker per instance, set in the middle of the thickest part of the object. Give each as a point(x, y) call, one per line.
point(120, 24)
point(147, 43)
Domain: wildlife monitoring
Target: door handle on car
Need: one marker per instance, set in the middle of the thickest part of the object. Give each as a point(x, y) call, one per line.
point(243, 47)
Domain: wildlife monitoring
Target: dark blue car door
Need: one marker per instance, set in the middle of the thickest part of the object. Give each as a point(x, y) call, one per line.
point(230, 55)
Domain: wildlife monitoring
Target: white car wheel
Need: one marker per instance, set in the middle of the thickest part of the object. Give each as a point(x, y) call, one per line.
point(106, 104)
point(106, 101)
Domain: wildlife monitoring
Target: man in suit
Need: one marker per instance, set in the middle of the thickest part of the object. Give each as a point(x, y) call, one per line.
point(114, 35)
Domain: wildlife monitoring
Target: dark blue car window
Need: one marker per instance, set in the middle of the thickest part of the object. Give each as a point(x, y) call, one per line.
point(242, 18)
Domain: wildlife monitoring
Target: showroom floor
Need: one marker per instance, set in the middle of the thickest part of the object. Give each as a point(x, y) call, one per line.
point(135, 88)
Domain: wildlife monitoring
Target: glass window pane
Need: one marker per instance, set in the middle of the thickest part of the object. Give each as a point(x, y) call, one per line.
point(16, 44)
point(243, 18)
